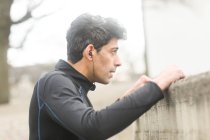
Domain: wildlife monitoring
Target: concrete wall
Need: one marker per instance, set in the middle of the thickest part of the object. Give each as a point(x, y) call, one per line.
point(184, 113)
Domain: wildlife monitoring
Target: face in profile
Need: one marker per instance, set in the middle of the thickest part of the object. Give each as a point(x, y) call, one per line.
point(106, 62)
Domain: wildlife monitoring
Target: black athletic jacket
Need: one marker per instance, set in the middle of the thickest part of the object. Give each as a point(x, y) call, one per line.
point(60, 109)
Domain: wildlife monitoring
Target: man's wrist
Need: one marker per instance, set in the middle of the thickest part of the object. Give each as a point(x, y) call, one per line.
point(160, 83)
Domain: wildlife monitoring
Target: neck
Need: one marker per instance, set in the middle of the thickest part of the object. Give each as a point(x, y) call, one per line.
point(82, 68)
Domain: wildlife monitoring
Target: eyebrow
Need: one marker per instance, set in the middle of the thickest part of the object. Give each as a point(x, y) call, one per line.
point(115, 48)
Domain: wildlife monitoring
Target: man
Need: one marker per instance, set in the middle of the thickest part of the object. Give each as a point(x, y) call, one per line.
point(60, 108)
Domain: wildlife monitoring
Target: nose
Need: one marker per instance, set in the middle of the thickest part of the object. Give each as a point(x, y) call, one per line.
point(117, 61)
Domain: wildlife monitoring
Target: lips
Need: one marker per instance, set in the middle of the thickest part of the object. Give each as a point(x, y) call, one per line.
point(112, 72)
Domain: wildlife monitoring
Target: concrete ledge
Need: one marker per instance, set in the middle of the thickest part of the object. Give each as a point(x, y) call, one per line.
point(184, 113)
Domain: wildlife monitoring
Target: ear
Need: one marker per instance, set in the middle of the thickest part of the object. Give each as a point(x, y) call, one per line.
point(88, 52)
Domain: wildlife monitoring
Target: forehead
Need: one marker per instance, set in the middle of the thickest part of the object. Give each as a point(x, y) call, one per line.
point(112, 44)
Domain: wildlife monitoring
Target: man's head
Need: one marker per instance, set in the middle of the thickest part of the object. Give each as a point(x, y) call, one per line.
point(99, 37)
point(88, 29)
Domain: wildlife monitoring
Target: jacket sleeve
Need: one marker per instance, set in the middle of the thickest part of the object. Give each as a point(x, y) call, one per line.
point(67, 108)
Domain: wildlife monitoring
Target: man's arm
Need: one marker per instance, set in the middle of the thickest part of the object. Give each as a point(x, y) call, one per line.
point(68, 109)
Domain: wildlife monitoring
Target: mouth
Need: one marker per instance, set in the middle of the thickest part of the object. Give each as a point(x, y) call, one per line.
point(112, 71)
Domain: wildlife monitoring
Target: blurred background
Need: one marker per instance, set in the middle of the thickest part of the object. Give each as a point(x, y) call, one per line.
point(32, 40)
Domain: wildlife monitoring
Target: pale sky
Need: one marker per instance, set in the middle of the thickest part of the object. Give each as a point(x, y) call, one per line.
point(46, 42)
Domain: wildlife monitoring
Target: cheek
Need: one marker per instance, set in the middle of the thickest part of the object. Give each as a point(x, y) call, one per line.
point(103, 60)
point(102, 66)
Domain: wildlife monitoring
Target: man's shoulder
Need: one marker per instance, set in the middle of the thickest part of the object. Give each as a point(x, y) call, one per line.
point(56, 78)
point(53, 73)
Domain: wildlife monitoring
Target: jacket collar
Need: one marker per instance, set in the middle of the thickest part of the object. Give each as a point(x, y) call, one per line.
point(77, 76)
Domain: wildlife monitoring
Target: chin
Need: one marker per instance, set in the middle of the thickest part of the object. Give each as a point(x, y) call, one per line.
point(105, 82)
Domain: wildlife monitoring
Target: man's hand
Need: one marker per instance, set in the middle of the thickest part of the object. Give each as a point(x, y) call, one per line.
point(168, 76)
point(139, 83)
point(164, 80)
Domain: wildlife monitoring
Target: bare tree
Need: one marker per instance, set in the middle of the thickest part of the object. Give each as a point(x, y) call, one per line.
point(5, 24)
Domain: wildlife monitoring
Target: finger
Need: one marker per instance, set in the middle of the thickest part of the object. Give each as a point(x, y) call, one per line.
point(145, 79)
point(182, 75)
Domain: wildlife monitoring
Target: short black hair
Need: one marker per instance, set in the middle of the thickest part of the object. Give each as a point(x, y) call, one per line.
point(88, 29)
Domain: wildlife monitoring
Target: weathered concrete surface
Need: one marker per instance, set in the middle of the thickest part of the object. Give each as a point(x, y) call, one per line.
point(184, 113)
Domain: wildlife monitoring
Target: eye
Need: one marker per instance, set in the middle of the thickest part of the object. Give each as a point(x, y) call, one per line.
point(114, 51)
